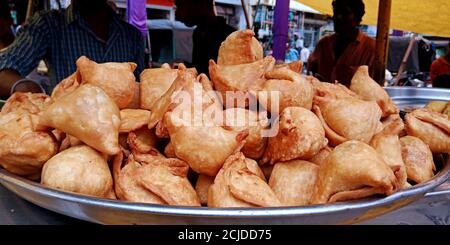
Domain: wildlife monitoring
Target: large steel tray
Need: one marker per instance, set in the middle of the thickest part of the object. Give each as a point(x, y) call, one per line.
point(117, 212)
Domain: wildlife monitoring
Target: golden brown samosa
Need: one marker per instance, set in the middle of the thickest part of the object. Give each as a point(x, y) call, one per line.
point(294, 90)
point(431, 127)
point(79, 169)
point(89, 115)
point(239, 119)
point(202, 187)
point(387, 144)
point(132, 119)
point(348, 118)
point(353, 170)
point(363, 85)
point(418, 159)
point(67, 85)
point(240, 183)
point(154, 83)
point(116, 79)
point(152, 178)
point(243, 78)
point(294, 182)
point(300, 136)
point(23, 151)
point(240, 47)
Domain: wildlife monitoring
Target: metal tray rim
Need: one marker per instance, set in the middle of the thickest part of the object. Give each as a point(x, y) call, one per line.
point(417, 190)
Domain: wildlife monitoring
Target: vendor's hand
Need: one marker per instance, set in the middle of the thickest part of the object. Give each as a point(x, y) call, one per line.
point(28, 87)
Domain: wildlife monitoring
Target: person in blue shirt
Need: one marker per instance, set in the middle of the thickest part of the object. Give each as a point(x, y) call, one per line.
point(60, 37)
point(291, 54)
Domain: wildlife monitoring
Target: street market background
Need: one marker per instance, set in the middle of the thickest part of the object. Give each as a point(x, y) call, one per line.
point(430, 17)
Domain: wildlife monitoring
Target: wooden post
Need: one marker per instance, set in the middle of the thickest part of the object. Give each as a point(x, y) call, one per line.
point(29, 10)
point(384, 20)
point(247, 17)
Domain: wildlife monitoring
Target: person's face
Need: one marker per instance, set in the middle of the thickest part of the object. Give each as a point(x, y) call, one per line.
point(185, 13)
point(88, 5)
point(344, 20)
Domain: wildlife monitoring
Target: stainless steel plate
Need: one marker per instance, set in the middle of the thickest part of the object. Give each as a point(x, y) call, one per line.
point(117, 212)
point(410, 97)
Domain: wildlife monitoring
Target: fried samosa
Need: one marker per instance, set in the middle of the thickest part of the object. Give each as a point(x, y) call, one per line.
point(240, 47)
point(239, 119)
point(142, 140)
point(195, 137)
point(240, 183)
point(437, 106)
point(136, 101)
point(152, 178)
point(202, 186)
point(79, 169)
point(23, 151)
point(294, 90)
point(89, 115)
point(431, 127)
point(363, 85)
point(295, 66)
point(243, 78)
point(300, 136)
point(67, 85)
point(330, 90)
point(348, 118)
point(132, 119)
point(418, 159)
point(204, 148)
point(353, 170)
point(31, 103)
point(184, 79)
point(294, 182)
point(388, 146)
point(127, 182)
point(320, 157)
point(154, 83)
point(116, 79)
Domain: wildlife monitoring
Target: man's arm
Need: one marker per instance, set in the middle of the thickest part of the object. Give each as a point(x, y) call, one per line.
point(24, 54)
point(9, 77)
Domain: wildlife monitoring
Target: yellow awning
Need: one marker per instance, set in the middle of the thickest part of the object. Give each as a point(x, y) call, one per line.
point(431, 17)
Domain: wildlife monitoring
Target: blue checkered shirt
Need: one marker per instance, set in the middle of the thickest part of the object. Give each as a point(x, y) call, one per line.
point(61, 37)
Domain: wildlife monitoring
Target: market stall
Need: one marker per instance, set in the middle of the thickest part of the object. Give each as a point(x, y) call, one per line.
point(415, 16)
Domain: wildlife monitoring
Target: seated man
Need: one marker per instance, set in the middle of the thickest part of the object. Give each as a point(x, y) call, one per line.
point(440, 71)
point(86, 27)
point(337, 56)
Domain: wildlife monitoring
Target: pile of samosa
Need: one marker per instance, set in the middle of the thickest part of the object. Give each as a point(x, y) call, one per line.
point(171, 139)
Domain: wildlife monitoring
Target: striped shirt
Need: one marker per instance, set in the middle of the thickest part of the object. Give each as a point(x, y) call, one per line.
point(61, 37)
